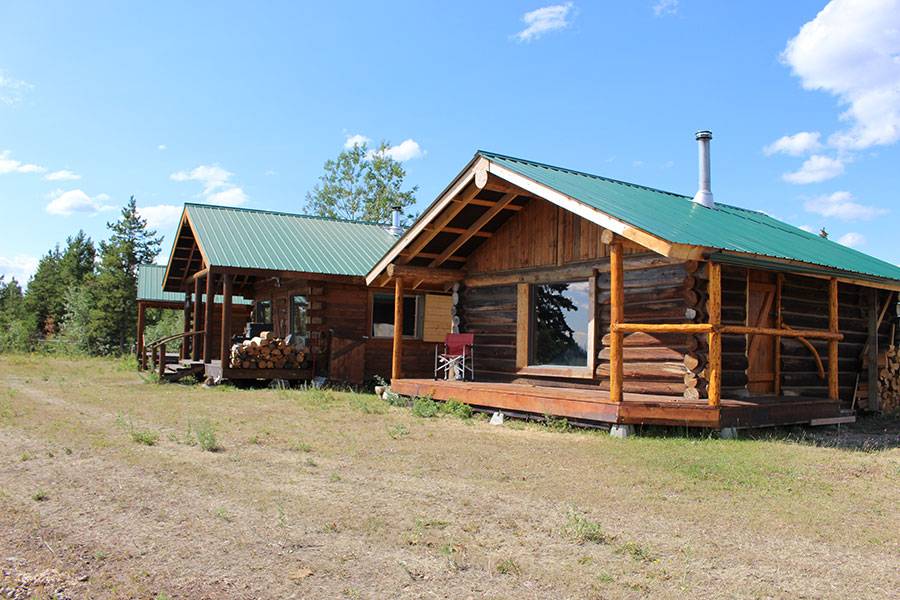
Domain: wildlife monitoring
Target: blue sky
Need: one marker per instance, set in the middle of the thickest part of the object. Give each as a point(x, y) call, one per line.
point(241, 103)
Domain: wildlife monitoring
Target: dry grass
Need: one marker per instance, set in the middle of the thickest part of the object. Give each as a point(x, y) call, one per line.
point(327, 494)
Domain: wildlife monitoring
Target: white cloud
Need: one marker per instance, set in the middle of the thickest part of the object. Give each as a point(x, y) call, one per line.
point(816, 168)
point(852, 239)
point(664, 8)
point(76, 201)
point(232, 196)
point(356, 140)
point(807, 228)
point(161, 216)
point(10, 165)
point(405, 150)
point(63, 175)
point(162, 147)
point(546, 19)
point(798, 144)
point(851, 49)
point(217, 186)
point(12, 91)
point(841, 205)
point(20, 266)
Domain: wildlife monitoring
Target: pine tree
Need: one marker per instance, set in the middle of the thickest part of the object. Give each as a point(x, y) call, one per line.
point(114, 314)
point(45, 298)
point(77, 261)
point(17, 324)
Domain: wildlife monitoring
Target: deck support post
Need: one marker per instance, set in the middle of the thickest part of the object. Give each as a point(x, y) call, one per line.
point(833, 389)
point(186, 340)
point(714, 308)
point(195, 342)
point(874, 403)
point(208, 305)
point(142, 354)
point(226, 321)
point(397, 355)
point(616, 316)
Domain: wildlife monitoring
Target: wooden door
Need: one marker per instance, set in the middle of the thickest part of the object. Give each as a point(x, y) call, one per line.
point(347, 360)
point(760, 348)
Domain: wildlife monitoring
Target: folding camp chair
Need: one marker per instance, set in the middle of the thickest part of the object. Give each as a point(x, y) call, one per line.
point(458, 357)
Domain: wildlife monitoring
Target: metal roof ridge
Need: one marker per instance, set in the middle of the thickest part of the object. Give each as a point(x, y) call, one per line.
point(488, 154)
point(286, 214)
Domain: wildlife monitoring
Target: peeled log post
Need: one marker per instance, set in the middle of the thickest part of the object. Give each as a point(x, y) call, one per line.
point(833, 327)
point(616, 316)
point(714, 308)
point(397, 358)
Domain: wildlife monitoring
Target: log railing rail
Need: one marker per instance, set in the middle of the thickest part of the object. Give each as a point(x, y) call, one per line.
point(714, 329)
point(160, 346)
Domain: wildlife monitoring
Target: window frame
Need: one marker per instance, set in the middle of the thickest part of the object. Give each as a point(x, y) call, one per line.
point(417, 326)
point(291, 324)
point(256, 311)
point(525, 333)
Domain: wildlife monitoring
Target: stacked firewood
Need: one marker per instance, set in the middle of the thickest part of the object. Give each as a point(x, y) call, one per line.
point(889, 379)
point(266, 352)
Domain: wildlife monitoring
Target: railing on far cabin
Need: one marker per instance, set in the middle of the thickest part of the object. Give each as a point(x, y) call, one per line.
point(157, 350)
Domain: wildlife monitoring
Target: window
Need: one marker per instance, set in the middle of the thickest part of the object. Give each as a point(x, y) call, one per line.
point(264, 311)
point(560, 314)
point(299, 316)
point(383, 315)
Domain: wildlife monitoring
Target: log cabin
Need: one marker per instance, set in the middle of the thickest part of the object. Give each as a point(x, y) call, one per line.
point(605, 301)
point(305, 278)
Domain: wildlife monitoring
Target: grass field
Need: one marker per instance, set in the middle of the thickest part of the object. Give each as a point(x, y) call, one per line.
point(114, 487)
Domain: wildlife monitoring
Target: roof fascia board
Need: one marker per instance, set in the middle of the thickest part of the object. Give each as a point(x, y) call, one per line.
point(647, 240)
point(443, 199)
point(174, 245)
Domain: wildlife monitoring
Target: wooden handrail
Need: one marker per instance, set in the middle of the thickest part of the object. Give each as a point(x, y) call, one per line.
point(169, 338)
point(738, 329)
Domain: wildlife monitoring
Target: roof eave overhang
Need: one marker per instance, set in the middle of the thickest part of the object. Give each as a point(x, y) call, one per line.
point(185, 219)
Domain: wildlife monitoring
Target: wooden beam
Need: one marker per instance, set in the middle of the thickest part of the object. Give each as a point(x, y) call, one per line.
point(551, 274)
point(480, 222)
point(459, 230)
point(779, 323)
point(426, 274)
point(457, 258)
point(186, 327)
point(142, 354)
point(225, 344)
point(714, 308)
point(397, 357)
point(874, 403)
point(442, 220)
point(523, 324)
point(661, 327)
point(616, 316)
point(478, 202)
point(834, 328)
point(208, 317)
point(195, 342)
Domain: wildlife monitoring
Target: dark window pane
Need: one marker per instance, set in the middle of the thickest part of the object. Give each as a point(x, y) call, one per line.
point(264, 311)
point(383, 315)
point(560, 313)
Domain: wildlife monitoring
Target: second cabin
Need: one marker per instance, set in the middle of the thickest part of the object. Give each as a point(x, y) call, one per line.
point(599, 300)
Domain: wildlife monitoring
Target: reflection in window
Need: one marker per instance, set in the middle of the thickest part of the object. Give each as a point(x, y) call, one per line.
point(264, 311)
point(560, 314)
point(299, 315)
point(383, 315)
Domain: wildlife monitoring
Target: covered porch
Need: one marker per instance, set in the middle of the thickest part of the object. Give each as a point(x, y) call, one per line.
point(595, 405)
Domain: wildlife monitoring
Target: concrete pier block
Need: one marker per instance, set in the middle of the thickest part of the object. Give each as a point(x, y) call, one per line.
point(728, 433)
point(621, 431)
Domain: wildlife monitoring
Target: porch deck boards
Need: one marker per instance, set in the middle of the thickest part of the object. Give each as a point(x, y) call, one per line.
point(635, 409)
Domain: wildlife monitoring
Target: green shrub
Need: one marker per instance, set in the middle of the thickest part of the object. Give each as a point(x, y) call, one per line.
point(40, 496)
point(424, 407)
point(457, 409)
point(581, 529)
point(398, 431)
point(144, 436)
point(395, 399)
point(205, 433)
point(557, 423)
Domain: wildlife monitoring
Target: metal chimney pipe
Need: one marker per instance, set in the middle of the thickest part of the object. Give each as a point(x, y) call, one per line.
point(395, 228)
point(704, 195)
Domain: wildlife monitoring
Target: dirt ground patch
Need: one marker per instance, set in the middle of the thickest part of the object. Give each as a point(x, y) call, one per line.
point(106, 492)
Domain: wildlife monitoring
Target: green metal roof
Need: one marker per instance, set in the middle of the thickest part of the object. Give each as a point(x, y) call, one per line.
point(676, 218)
point(150, 287)
point(261, 239)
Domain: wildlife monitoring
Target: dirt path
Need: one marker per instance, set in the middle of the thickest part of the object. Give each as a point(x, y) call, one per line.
point(386, 505)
